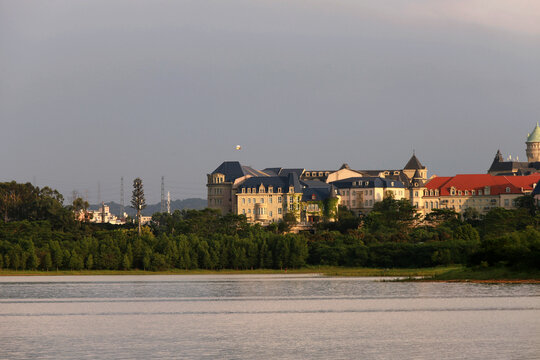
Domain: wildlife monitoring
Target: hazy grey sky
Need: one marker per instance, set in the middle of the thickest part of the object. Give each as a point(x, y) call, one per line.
point(94, 90)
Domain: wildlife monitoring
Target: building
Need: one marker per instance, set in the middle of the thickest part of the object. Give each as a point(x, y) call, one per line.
point(265, 196)
point(101, 215)
point(536, 193)
point(359, 194)
point(222, 184)
point(481, 192)
point(515, 167)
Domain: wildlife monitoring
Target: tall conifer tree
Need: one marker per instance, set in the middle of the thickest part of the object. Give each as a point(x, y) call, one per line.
point(137, 200)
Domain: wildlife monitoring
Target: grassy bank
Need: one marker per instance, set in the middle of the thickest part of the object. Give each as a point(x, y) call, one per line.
point(444, 273)
point(489, 274)
point(323, 270)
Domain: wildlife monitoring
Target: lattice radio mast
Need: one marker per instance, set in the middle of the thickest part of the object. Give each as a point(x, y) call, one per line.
point(162, 194)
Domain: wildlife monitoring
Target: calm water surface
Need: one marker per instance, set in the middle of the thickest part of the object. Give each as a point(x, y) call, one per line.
point(264, 317)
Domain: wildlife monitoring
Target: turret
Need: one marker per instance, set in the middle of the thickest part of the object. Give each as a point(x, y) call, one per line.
point(533, 145)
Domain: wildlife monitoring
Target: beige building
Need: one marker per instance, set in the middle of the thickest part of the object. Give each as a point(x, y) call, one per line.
point(481, 192)
point(359, 194)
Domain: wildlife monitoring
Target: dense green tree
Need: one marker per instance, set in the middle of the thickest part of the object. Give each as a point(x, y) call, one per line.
point(138, 201)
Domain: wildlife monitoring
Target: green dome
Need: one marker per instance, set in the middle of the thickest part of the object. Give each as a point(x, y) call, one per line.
point(535, 135)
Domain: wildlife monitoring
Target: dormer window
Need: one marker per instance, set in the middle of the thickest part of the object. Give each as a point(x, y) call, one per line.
point(452, 191)
point(270, 189)
point(320, 173)
point(326, 173)
point(396, 172)
point(466, 192)
point(308, 173)
point(291, 189)
point(479, 192)
point(459, 192)
point(507, 189)
point(392, 183)
point(249, 190)
point(278, 189)
point(243, 190)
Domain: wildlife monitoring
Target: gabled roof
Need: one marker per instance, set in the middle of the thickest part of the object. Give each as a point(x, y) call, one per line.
point(367, 182)
point(234, 170)
point(316, 194)
point(414, 164)
point(283, 171)
point(497, 184)
point(284, 182)
point(535, 135)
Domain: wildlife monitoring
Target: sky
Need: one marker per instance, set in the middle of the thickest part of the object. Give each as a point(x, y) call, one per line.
point(92, 91)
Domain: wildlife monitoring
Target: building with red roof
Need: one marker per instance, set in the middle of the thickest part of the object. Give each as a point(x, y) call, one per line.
point(481, 192)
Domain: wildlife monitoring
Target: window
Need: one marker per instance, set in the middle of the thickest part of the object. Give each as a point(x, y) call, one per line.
point(249, 191)
point(416, 193)
point(278, 189)
point(507, 189)
point(270, 189)
point(473, 192)
point(279, 200)
point(506, 202)
point(262, 200)
point(479, 192)
point(243, 190)
point(244, 211)
point(366, 203)
point(459, 192)
point(249, 211)
point(279, 210)
point(308, 173)
point(254, 200)
point(270, 214)
point(243, 200)
point(466, 192)
point(249, 200)
point(270, 199)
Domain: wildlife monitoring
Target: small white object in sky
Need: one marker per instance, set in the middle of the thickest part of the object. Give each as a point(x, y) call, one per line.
point(238, 147)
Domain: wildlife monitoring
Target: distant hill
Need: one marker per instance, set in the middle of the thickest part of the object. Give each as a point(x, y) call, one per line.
point(193, 203)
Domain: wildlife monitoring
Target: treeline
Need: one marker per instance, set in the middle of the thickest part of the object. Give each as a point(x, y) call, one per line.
point(48, 238)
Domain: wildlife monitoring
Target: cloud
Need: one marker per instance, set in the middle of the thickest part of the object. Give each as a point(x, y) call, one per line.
point(516, 16)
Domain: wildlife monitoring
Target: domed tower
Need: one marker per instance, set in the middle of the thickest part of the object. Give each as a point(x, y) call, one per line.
point(533, 145)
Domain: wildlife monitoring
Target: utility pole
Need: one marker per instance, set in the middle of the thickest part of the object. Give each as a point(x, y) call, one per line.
point(169, 202)
point(162, 210)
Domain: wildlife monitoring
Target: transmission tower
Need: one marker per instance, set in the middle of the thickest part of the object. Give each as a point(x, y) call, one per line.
point(162, 194)
point(168, 202)
point(122, 197)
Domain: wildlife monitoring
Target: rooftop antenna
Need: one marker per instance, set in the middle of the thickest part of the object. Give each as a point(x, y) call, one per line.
point(162, 210)
point(168, 202)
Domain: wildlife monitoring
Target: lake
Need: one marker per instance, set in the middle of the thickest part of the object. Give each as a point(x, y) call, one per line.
point(264, 317)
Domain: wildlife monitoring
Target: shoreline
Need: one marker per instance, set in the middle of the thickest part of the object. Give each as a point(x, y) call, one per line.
point(446, 274)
